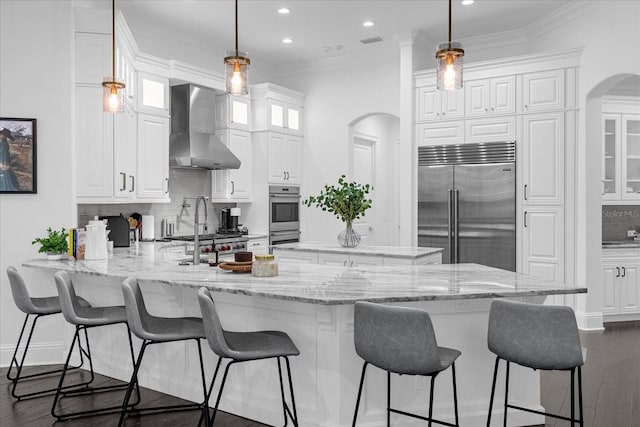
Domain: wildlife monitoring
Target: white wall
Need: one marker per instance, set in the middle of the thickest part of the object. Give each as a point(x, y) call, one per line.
point(36, 82)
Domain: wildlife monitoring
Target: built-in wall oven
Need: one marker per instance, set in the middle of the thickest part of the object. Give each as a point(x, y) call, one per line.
point(284, 222)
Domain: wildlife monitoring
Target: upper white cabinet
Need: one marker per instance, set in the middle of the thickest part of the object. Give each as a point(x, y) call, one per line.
point(631, 157)
point(434, 104)
point(285, 158)
point(543, 146)
point(234, 184)
point(276, 108)
point(153, 157)
point(621, 284)
point(153, 93)
point(285, 117)
point(611, 152)
point(543, 91)
point(447, 132)
point(233, 111)
point(490, 96)
point(490, 129)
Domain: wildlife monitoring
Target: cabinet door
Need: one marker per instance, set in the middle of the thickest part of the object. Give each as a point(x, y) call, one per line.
point(477, 98)
point(232, 111)
point(543, 242)
point(630, 179)
point(293, 156)
point(153, 157)
point(428, 103)
point(295, 117)
point(610, 274)
point(629, 282)
point(452, 104)
point(490, 129)
point(333, 259)
point(153, 93)
point(440, 133)
point(126, 72)
point(543, 158)
point(362, 260)
point(93, 58)
point(277, 115)
point(94, 149)
point(611, 159)
point(240, 179)
point(543, 91)
point(300, 257)
point(124, 153)
point(277, 152)
point(258, 246)
point(503, 95)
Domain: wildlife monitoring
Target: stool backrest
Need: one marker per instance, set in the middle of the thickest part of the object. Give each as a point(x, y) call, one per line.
point(397, 339)
point(212, 325)
point(69, 302)
point(137, 314)
point(20, 292)
point(537, 336)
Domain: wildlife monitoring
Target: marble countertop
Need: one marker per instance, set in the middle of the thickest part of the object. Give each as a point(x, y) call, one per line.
point(318, 284)
point(621, 244)
point(388, 251)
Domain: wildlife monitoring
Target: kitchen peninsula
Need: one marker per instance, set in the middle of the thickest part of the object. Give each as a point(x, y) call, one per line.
point(314, 305)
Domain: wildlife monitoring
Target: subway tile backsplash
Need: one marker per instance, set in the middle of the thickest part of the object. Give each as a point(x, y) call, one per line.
point(183, 183)
point(617, 219)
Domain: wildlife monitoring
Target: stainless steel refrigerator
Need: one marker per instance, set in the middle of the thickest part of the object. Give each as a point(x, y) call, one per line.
point(466, 202)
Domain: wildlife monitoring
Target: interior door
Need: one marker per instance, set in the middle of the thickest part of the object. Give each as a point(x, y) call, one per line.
point(484, 198)
point(364, 160)
point(435, 186)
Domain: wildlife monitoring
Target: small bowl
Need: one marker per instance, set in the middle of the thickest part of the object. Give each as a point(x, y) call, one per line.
point(243, 256)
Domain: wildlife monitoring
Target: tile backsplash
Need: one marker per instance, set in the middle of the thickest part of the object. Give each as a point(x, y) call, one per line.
point(617, 219)
point(183, 183)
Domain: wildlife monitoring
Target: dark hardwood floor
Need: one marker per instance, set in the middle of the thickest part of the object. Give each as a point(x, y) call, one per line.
point(611, 384)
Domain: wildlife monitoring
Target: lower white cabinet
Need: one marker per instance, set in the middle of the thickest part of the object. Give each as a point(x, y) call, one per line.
point(353, 260)
point(543, 242)
point(295, 256)
point(349, 260)
point(234, 184)
point(621, 284)
point(258, 246)
point(153, 157)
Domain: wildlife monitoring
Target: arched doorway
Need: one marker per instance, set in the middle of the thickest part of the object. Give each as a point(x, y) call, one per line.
point(373, 142)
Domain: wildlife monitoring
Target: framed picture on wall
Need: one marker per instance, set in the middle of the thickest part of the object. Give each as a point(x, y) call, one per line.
point(18, 166)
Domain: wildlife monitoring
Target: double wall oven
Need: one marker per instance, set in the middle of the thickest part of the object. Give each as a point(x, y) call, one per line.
point(284, 222)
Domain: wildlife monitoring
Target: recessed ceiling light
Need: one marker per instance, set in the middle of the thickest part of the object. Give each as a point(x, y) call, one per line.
point(467, 2)
point(287, 40)
point(368, 24)
point(283, 11)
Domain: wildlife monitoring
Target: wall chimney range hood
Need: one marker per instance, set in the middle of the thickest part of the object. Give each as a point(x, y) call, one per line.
point(192, 143)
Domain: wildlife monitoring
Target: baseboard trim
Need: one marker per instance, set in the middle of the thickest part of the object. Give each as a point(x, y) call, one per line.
point(43, 353)
point(589, 321)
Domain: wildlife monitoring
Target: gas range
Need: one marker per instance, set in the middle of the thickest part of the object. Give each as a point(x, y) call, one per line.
point(226, 243)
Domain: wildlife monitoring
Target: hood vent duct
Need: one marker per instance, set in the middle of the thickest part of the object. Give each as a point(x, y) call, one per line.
point(192, 143)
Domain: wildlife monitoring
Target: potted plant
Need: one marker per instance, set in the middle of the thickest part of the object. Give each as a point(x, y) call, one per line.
point(54, 245)
point(348, 201)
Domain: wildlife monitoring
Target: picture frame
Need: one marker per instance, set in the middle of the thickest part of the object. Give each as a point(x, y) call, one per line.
point(18, 156)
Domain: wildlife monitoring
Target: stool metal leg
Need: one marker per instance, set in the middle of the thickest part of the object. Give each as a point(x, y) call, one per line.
point(573, 396)
point(455, 392)
point(134, 380)
point(355, 414)
point(506, 394)
point(293, 399)
point(205, 409)
point(388, 399)
point(433, 383)
point(284, 403)
point(493, 390)
point(287, 412)
point(580, 395)
point(224, 379)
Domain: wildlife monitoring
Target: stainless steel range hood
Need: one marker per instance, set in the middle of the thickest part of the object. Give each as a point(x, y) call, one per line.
point(192, 143)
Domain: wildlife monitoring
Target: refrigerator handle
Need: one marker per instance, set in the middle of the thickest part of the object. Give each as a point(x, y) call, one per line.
point(455, 224)
point(449, 215)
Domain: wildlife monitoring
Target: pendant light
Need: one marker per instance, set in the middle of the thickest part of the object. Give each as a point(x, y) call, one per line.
point(449, 57)
point(112, 89)
point(237, 68)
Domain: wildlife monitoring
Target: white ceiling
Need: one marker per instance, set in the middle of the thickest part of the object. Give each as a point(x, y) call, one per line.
point(322, 29)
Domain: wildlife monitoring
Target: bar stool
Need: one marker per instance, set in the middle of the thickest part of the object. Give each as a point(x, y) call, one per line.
point(156, 330)
point(538, 337)
point(401, 340)
point(37, 307)
point(243, 347)
point(84, 318)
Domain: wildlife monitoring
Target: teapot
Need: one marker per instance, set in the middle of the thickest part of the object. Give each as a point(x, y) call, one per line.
point(96, 240)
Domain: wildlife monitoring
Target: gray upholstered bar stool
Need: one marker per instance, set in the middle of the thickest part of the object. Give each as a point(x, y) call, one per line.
point(538, 337)
point(84, 318)
point(243, 347)
point(38, 307)
point(401, 340)
point(156, 330)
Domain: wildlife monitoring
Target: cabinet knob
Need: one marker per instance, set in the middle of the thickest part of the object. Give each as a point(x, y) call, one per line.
point(492, 108)
point(526, 106)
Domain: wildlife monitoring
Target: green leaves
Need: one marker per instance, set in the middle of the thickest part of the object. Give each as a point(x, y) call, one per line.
point(55, 242)
point(347, 201)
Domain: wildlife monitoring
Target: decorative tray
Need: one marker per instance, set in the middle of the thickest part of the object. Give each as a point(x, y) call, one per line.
point(237, 267)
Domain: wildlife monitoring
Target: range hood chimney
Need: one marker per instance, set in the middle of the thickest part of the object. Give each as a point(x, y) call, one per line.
point(192, 143)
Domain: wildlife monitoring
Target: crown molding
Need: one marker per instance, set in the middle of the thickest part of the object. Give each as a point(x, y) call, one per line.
point(561, 16)
point(495, 40)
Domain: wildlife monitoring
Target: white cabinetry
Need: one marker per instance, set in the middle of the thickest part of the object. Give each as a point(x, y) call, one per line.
point(234, 184)
point(434, 104)
point(490, 129)
point(259, 246)
point(543, 91)
point(93, 58)
point(349, 260)
point(543, 242)
point(285, 157)
point(490, 96)
point(353, 260)
point(153, 94)
point(621, 284)
point(446, 132)
point(124, 153)
point(153, 157)
point(233, 111)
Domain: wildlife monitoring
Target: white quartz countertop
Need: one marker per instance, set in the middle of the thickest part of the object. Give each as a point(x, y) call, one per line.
point(410, 252)
point(318, 284)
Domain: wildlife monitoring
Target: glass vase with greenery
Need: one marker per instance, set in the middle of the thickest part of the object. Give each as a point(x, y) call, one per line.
point(55, 244)
point(348, 201)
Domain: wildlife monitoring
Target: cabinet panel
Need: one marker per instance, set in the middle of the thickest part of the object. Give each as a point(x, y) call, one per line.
point(432, 104)
point(153, 93)
point(543, 91)
point(93, 58)
point(630, 288)
point(258, 246)
point(362, 260)
point(630, 157)
point(277, 147)
point(234, 184)
point(300, 257)
point(490, 129)
point(232, 111)
point(293, 160)
point(543, 164)
point(476, 98)
point(609, 289)
point(543, 241)
point(124, 153)
point(503, 95)
point(153, 157)
point(333, 259)
point(490, 96)
point(440, 133)
point(611, 157)
point(285, 158)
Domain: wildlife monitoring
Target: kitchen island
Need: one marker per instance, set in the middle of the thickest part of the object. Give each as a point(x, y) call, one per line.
point(314, 305)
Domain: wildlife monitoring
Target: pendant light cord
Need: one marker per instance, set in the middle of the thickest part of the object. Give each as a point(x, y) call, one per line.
point(449, 24)
point(237, 29)
point(113, 40)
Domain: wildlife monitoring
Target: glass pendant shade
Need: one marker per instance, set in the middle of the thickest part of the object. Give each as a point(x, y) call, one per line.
point(236, 73)
point(112, 95)
point(449, 66)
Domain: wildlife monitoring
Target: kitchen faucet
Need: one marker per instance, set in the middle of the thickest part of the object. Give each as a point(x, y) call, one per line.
point(196, 234)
